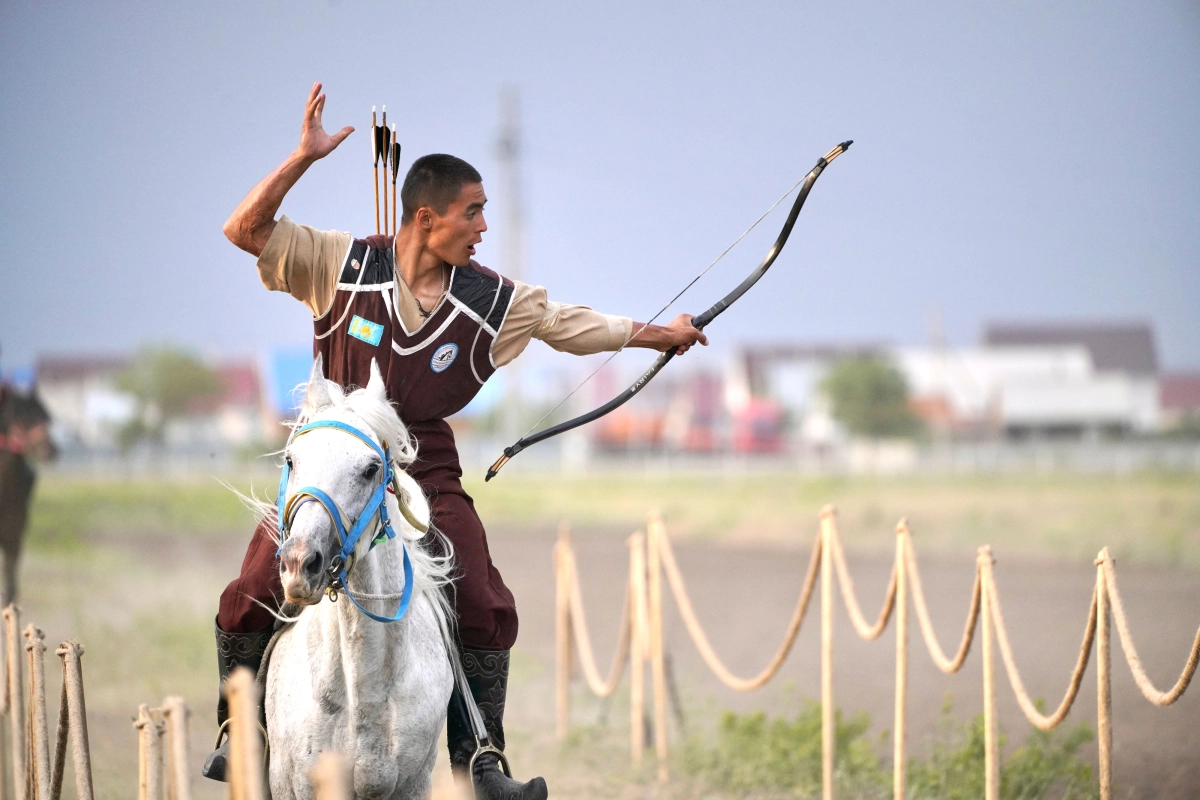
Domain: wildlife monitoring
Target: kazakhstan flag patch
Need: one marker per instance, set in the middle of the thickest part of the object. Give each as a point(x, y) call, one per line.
point(369, 332)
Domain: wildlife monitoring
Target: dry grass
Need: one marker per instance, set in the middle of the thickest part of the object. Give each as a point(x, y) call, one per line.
point(134, 569)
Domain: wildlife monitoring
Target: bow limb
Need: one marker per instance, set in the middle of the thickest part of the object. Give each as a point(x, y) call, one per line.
point(700, 322)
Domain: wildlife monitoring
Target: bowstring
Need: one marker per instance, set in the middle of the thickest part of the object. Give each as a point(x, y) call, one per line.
point(669, 303)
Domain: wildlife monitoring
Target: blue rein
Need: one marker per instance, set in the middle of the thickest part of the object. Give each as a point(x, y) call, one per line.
point(287, 506)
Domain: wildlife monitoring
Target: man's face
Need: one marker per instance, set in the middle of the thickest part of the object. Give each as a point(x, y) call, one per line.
point(453, 235)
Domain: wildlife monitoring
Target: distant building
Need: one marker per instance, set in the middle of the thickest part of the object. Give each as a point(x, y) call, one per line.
point(87, 409)
point(1118, 394)
point(80, 393)
point(1179, 401)
point(1115, 348)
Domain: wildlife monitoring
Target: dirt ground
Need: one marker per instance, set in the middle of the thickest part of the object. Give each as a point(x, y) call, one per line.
point(142, 605)
point(744, 596)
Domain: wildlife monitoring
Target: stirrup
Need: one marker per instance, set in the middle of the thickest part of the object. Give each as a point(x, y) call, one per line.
point(223, 734)
point(480, 749)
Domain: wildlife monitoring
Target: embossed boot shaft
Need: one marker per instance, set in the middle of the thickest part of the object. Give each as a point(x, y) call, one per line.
point(233, 650)
point(487, 675)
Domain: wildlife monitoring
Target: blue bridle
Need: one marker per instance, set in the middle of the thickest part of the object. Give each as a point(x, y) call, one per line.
point(287, 506)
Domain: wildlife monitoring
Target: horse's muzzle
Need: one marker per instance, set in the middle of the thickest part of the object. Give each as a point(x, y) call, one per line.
point(303, 572)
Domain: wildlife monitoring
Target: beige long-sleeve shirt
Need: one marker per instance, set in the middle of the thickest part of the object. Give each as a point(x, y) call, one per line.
point(305, 263)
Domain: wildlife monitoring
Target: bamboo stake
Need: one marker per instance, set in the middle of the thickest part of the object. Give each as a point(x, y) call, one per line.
point(828, 721)
point(899, 768)
point(1103, 679)
point(39, 745)
point(657, 670)
point(245, 747)
point(331, 777)
point(71, 653)
point(179, 781)
point(562, 631)
point(60, 744)
point(150, 754)
point(637, 647)
point(14, 694)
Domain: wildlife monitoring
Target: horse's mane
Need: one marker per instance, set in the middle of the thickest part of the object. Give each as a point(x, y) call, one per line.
point(432, 567)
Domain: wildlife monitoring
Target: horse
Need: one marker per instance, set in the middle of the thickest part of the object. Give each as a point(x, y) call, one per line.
point(24, 437)
point(338, 678)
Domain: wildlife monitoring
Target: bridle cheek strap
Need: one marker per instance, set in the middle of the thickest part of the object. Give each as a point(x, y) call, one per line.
point(288, 505)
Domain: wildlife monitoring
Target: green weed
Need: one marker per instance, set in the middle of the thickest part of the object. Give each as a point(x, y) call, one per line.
point(1047, 765)
point(756, 753)
point(753, 754)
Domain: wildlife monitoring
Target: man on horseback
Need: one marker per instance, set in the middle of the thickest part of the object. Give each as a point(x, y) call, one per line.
point(438, 324)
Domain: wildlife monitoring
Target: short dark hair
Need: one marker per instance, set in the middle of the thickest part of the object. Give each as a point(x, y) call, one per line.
point(434, 181)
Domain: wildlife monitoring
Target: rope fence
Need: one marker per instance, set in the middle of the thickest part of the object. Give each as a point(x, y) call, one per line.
point(641, 644)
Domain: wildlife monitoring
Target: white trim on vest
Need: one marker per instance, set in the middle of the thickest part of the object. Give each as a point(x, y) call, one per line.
point(349, 303)
point(337, 286)
point(407, 351)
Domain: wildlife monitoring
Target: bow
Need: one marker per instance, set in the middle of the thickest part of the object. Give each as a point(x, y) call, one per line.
point(699, 322)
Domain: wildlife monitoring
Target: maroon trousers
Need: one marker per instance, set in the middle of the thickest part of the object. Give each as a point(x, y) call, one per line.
point(487, 613)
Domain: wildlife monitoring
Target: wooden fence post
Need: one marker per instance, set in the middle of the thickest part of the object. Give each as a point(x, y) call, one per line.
point(14, 699)
point(899, 768)
point(637, 648)
point(828, 720)
point(991, 745)
point(562, 631)
point(38, 760)
point(657, 668)
point(1103, 679)
point(179, 781)
point(245, 747)
point(150, 754)
point(331, 777)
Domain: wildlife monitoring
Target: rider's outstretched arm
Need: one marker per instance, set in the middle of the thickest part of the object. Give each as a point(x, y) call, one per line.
point(250, 225)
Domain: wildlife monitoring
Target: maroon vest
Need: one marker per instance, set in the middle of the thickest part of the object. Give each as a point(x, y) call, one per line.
point(430, 373)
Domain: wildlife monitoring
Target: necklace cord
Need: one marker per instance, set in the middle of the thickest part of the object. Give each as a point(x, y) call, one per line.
point(420, 308)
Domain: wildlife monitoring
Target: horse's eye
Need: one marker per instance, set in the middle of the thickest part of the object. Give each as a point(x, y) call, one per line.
point(371, 470)
point(287, 459)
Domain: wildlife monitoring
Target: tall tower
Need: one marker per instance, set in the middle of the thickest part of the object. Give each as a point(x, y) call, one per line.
point(508, 152)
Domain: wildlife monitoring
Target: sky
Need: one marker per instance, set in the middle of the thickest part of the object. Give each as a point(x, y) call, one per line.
point(1012, 161)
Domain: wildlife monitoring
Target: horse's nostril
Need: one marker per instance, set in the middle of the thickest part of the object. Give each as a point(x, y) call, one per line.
point(312, 564)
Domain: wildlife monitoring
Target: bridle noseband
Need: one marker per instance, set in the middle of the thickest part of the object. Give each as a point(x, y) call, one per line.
point(376, 507)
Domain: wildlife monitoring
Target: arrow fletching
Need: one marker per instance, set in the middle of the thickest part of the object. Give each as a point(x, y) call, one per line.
point(395, 155)
point(374, 138)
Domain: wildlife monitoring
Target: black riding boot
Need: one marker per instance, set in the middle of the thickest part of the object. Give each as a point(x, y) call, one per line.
point(233, 650)
point(487, 675)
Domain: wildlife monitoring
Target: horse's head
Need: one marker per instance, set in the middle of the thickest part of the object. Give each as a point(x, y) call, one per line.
point(25, 425)
point(343, 467)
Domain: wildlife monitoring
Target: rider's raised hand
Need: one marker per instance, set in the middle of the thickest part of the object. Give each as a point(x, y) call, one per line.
point(315, 143)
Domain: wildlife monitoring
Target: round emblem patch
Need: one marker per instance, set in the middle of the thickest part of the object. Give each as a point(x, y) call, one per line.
point(443, 357)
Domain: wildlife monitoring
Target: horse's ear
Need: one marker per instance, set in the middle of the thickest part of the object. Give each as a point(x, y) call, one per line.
point(317, 396)
point(375, 386)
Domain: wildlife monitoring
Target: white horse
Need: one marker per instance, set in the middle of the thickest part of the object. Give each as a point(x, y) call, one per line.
point(337, 679)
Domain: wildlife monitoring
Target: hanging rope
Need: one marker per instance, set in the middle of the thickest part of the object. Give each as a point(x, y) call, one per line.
point(868, 632)
point(641, 639)
point(946, 665)
point(700, 638)
point(1105, 561)
point(1035, 717)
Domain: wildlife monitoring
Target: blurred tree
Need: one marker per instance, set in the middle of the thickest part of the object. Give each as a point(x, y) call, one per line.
point(166, 382)
point(870, 397)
